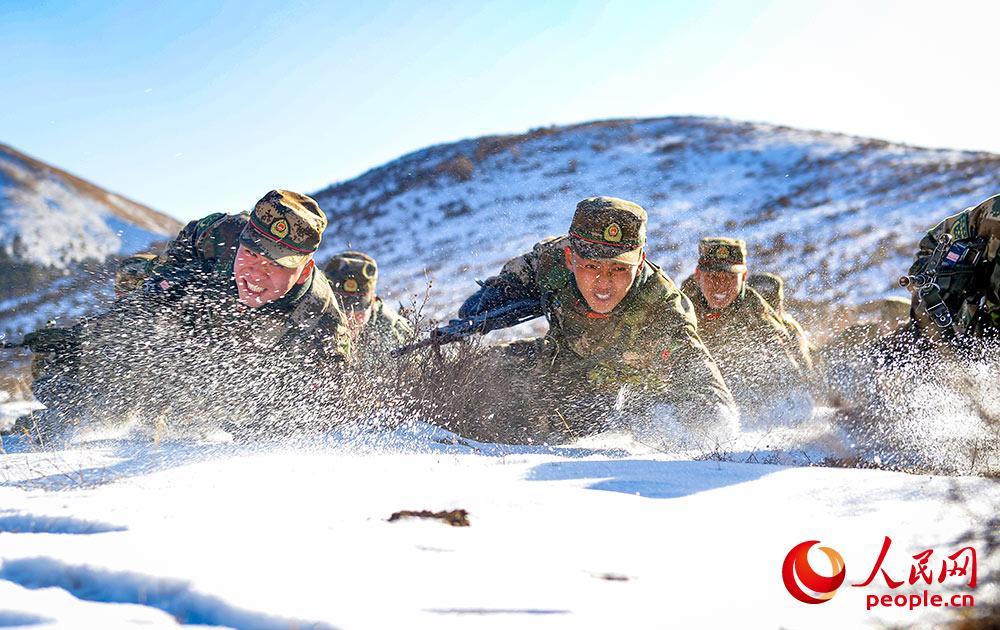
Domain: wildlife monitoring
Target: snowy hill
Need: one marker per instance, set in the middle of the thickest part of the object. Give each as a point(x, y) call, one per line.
point(838, 215)
point(53, 219)
point(57, 231)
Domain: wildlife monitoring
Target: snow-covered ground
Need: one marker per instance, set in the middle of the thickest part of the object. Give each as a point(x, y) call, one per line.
point(120, 533)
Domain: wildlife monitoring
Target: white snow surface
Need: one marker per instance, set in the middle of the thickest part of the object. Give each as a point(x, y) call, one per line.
point(117, 532)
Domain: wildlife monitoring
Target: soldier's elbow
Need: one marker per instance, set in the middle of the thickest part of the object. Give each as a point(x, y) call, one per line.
point(486, 298)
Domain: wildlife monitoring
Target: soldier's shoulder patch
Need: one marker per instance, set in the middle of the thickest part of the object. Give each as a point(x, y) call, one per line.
point(960, 229)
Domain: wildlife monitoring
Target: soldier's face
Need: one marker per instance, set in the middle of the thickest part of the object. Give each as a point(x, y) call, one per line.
point(260, 280)
point(720, 288)
point(603, 283)
point(358, 317)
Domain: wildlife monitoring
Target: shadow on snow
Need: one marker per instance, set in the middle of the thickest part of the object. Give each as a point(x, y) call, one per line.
point(173, 596)
point(651, 478)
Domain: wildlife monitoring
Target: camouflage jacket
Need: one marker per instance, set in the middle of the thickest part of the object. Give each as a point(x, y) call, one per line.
point(747, 338)
point(132, 272)
point(800, 347)
point(803, 349)
point(649, 338)
point(971, 292)
point(385, 331)
point(197, 271)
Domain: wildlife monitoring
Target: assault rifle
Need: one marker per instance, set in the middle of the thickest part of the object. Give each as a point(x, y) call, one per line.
point(504, 316)
point(947, 274)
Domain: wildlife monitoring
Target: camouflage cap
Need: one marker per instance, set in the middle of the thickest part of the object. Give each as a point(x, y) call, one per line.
point(132, 272)
point(607, 228)
point(286, 227)
point(716, 253)
point(353, 276)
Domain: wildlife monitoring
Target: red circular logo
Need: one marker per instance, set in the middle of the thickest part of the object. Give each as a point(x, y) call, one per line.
point(799, 575)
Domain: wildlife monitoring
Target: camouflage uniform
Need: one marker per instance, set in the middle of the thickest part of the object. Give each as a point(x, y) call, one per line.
point(197, 271)
point(753, 348)
point(354, 278)
point(54, 346)
point(969, 277)
point(771, 287)
point(649, 342)
point(185, 338)
point(132, 272)
point(873, 374)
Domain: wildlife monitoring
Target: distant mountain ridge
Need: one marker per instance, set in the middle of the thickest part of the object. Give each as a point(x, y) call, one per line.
point(60, 238)
point(838, 216)
point(51, 218)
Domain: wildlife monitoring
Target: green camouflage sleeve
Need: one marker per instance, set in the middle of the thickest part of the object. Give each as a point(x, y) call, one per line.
point(518, 279)
point(673, 349)
point(182, 255)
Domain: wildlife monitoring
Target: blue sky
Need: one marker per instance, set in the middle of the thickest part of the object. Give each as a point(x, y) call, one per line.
point(200, 106)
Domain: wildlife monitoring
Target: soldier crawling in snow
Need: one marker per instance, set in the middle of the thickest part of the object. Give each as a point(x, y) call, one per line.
point(621, 335)
point(963, 297)
point(953, 323)
point(760, 360)
point(231, 313)
point(376, 328)
point(771, 287)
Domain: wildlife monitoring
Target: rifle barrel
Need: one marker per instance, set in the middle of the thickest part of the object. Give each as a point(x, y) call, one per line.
point(502, 317)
